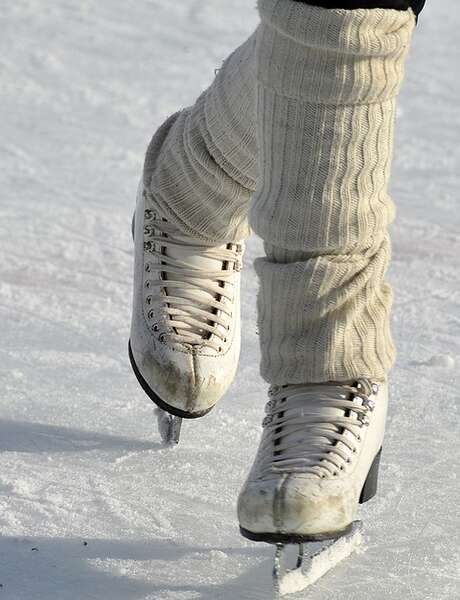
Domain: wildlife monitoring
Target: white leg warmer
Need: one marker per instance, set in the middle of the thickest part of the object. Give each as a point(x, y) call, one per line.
point(201, 164)
point(326, 86)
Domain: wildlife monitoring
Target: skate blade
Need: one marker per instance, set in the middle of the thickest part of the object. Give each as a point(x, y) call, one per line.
point(321, 557)
point(169, 427)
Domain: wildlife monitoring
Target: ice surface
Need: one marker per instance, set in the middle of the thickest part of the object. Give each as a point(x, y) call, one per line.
point(84, 83)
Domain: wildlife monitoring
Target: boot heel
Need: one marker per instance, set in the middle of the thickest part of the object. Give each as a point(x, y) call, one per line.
point(370, 485)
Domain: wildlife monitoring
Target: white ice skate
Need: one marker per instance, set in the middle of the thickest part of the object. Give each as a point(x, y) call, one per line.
point(185, 331)
point(317, 461)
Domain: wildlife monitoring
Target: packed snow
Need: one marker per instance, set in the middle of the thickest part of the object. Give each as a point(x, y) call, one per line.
point(91, 505)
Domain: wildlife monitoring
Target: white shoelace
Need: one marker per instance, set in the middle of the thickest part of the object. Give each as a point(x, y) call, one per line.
point(199, 312)
point(314, 428)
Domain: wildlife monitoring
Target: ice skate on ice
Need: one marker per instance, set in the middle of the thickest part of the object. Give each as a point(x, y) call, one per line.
point(314, 559)
point(169, 426)
point(317, 461)
point(185, 330)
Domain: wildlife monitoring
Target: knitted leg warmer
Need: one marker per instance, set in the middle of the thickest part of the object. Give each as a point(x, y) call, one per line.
point(326, 87)
point(201, 164)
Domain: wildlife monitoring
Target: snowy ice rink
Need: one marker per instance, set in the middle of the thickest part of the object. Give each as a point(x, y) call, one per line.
point(91, 505)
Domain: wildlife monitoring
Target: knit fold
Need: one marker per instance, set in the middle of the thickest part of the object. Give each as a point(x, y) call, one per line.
point(201, 164)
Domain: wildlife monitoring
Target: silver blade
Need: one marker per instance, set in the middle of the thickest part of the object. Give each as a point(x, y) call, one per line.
point(169, 427)
point(314, 561)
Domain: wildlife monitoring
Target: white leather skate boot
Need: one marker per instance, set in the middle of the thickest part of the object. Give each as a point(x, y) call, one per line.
point(185, 331)
point(317, 461)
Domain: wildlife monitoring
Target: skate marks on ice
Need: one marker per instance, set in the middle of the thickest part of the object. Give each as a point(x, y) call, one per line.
point(71, 568)
point(68, 568)
point(81, 568)
point(427, 307)
point(43, 438)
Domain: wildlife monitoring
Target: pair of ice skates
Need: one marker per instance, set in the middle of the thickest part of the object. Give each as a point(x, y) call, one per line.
point(319, 454)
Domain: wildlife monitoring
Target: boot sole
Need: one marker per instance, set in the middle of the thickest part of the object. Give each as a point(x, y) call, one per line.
point(368, 491)
point(293, 538)
point(177, 412)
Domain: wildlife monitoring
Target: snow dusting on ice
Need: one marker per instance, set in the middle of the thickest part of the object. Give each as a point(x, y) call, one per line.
point(91, 505)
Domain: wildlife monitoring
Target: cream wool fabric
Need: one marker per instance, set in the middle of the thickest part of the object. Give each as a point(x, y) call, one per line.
point(303, 110)
point(326, 87)
point(201, 164)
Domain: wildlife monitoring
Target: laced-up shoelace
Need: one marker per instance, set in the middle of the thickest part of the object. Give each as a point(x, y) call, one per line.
point(299, 434)
point(205, 321)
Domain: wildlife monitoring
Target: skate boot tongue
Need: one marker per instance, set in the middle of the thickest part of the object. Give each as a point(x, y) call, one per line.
point(320, 410)
point(193, 258)
point(197, 284)
point(314, 422)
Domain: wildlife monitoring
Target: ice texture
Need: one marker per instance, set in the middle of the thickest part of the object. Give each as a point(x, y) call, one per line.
point(91, 504)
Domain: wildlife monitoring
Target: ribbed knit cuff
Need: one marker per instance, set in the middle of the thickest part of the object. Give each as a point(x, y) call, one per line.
point(335, 56)
point(325, 319)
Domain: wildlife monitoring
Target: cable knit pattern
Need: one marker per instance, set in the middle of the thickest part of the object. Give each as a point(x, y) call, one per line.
point(326, 86)
point(201, 164)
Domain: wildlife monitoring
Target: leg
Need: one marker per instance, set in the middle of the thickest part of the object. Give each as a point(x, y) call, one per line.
point(326, 104)
point(326, 87)
point(190, 223)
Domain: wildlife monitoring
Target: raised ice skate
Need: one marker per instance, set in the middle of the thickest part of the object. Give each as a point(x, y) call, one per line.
point(185, 330)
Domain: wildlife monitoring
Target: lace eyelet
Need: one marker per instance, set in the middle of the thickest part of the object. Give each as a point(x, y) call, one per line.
point(147, 267)
point(148, 300)
point(335, 474)
point(155, 327)
point(162, 338)
point(147, 284)
point(370, 404)
point(364, 419)
point(150, 314)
